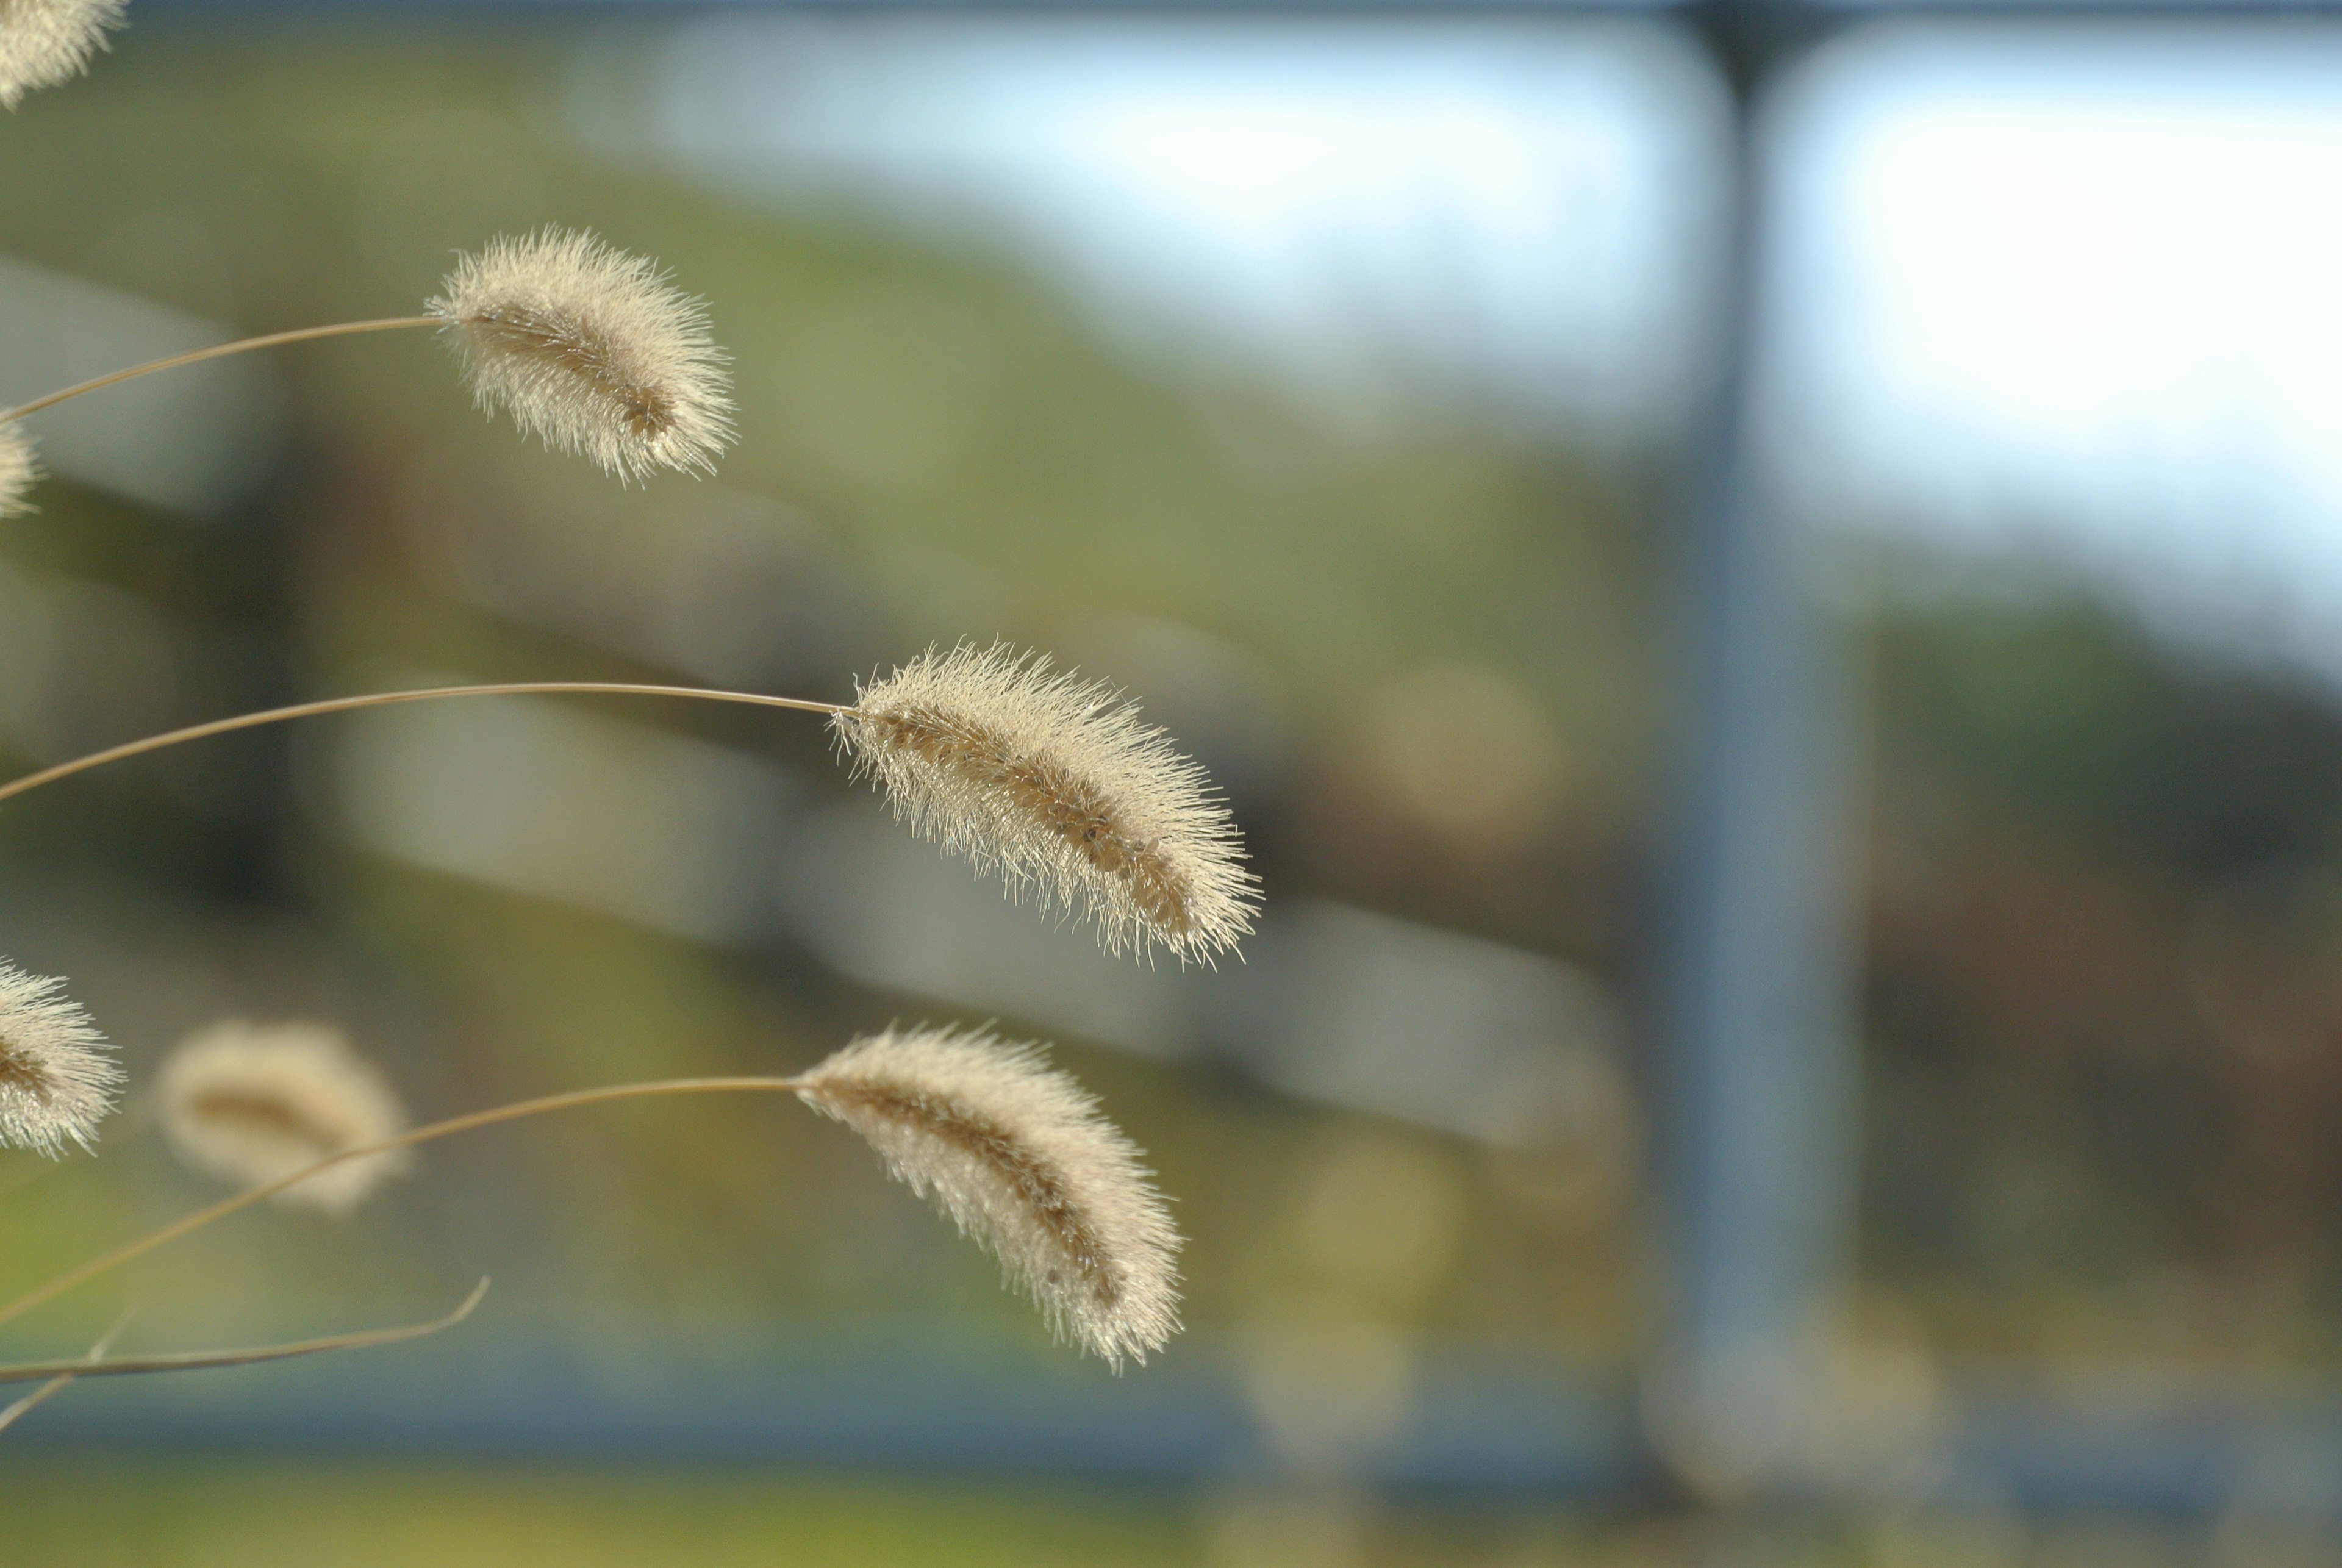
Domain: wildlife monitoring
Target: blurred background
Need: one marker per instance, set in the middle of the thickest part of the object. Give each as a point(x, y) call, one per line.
point(1765, 600)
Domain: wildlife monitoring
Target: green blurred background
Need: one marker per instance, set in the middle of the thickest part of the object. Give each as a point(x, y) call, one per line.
point(1425, 645)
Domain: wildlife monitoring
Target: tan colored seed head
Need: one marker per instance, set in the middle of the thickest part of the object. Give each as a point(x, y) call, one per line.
point(19, 471)
point(591, 349)
point(45, 42)
point(251, 1102)
point(1054, 783)
point(1016, 1155)
point(56, 1081)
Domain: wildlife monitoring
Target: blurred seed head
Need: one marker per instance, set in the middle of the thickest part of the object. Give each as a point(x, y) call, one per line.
point(1381, 1218)
point(1016, 1155)
point(1468, 753)
point(56, 1081)
point(45, 42)
point(18, 470)
point(251, 1102)
point(591, 349)
point(1054, 783)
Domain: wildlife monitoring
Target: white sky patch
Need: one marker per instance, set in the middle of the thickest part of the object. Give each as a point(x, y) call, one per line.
point(1504, 208)
point(2079, 301)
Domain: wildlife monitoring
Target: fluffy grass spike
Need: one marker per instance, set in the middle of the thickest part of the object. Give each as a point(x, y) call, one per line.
point(1054, 783)
point(249, 1103)
point(591, 349)
point(1016, 1155)
point(57, 1080)
point(19, 472)
point(45, 42)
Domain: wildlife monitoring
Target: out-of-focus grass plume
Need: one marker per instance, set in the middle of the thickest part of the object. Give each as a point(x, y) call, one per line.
point(250, 1103)
point(19, 470)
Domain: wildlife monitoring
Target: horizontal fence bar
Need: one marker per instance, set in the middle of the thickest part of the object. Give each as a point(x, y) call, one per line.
point(1471, 1427)
point(1475, 1429)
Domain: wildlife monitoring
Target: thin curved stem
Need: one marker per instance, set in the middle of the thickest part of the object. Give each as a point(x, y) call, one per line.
point(519, 1109)
point(55, 1385)
point(61, 1372)
point(216, 351)
point(380, 699)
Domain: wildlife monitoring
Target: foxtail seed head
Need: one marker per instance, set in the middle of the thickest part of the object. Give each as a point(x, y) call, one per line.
point(1016, 1155)
point(19, 472)
point(56, 1081)
point(251, 1102)
point(45, 42)
point(591, 349)
point(1054, 783)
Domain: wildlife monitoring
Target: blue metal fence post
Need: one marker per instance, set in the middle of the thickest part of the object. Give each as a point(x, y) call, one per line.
point(1759, 1068)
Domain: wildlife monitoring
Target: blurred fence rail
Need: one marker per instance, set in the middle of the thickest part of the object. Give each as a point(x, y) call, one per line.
point(1477, 1430)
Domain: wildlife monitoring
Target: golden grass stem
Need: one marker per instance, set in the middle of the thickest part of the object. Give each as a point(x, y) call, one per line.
point(55, 1385)
point(569, 1100)
point(216, 351)
point(383, 699)
point(61, 1372)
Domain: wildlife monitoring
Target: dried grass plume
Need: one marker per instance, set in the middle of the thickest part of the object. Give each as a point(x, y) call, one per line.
point(591, 349)
point(19, 472)
point(1017, 1155)
point(1054, 783)
point(56, 1081)
point(45, 42)
point(250, 1103)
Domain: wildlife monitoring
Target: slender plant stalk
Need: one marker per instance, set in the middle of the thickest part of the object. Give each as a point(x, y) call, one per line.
point(464, 1123)
point(383, 699)
point(55, 1385)
point(216, 351)
point(60, 1373)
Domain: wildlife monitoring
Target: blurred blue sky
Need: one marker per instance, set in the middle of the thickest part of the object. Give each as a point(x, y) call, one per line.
point(2067, 300)
point(1479, 205)
point(2055, 297)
